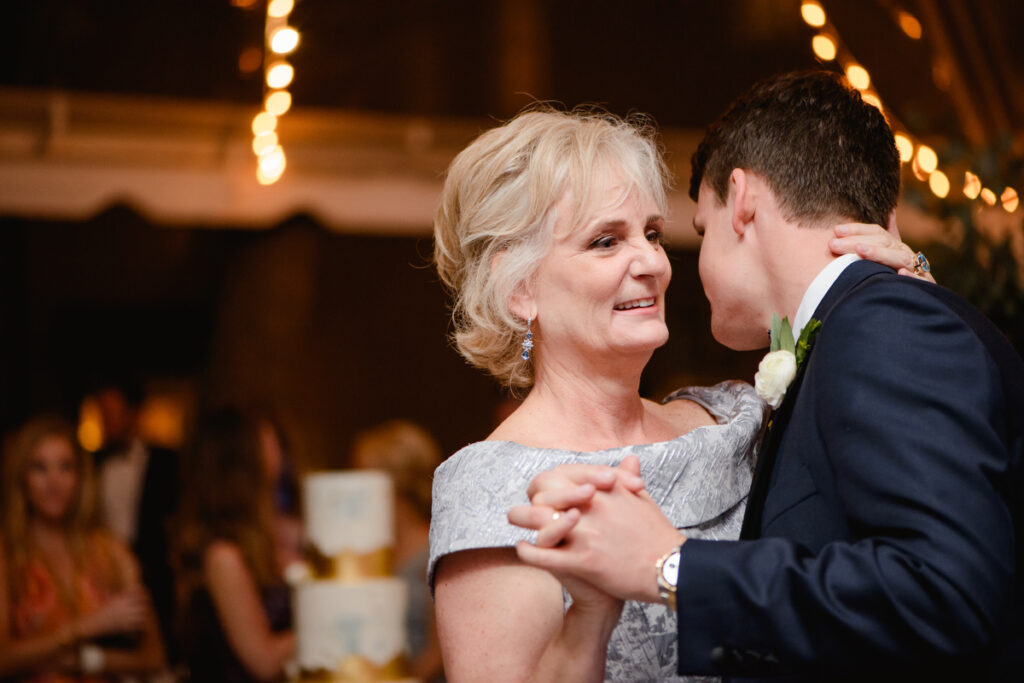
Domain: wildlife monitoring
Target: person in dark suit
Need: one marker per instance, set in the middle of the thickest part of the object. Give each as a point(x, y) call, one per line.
point(883, 531)
point(138, 494)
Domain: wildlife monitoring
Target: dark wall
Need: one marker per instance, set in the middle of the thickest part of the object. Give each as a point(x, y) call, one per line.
point(336, 332)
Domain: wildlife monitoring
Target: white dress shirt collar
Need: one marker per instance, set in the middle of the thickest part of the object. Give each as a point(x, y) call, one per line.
point(818, 289)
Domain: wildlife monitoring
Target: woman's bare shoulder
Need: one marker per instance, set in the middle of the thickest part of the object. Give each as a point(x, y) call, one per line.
point(683, 414)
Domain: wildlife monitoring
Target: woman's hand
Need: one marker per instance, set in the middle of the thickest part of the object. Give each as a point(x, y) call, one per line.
point(125, 612)
point(877, 244)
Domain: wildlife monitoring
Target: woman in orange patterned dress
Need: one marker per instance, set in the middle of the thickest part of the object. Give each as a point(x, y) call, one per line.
point(71, 604)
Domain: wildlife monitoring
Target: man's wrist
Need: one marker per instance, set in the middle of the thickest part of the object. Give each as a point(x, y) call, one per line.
point(666, 575)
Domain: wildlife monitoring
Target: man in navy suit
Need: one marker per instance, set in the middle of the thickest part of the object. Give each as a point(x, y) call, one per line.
point(883, 532)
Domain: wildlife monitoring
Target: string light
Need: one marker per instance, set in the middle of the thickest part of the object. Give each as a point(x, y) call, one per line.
point(924, 163)
point(279, 39)
point(858, 76)
point(813, 13)
point(872, 99)
point(284, 40)
point(264, 122)
point(927, 159)
point(278, 102)
point(280, 8)
point(972, 185)
point(263, 142)
point(905, 147)
point(1010, 199)
point(280, 75)
point(271, 165)
point(824, 47)
point(939, 184)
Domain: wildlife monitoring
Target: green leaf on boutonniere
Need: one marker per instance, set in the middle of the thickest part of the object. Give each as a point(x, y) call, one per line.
point(782, 335)
point(803, 346)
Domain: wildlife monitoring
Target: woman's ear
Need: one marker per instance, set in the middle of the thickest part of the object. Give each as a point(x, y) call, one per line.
point(520, 302)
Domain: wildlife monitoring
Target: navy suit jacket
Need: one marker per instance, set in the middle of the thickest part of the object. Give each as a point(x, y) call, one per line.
point(884, 526)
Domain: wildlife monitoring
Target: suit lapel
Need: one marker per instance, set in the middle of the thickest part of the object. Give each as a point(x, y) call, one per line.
point(850, 279)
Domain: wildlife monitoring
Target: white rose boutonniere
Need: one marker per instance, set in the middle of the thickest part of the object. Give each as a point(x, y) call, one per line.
point(778, 368)
point(775, 372)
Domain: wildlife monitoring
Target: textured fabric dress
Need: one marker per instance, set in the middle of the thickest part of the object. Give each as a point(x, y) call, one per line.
point(700, 480)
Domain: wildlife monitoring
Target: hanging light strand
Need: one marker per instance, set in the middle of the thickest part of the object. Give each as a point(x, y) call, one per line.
point(279, 41)
point(925, 164)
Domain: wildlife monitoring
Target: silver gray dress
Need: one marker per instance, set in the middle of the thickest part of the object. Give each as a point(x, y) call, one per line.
point(700, 480)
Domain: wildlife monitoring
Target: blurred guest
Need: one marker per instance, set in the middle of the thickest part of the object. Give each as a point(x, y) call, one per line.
point(237, 618)
point(287, 521)
point(409, 455)
point(71, 603)
point(138, 487)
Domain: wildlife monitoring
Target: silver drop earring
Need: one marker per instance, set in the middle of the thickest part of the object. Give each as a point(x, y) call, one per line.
point(528, 340)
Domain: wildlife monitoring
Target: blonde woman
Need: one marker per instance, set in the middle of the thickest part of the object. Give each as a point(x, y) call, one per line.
point(409, 454)
point(549, 237)
point(71, 605)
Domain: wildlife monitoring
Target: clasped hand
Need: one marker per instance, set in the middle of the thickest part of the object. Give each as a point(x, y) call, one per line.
point(608, 531)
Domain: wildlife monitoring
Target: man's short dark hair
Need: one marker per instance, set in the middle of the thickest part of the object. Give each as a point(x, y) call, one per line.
point(825, 153)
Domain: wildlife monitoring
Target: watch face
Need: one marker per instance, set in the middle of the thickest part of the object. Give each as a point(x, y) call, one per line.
point(670, 569)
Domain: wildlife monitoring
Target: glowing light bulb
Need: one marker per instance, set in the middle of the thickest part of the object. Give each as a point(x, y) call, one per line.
point(1010, 199)
point(858, 76)
point(264, 122)
point(988, 196)
point(280, 8)
point(909, 24)
point(905, 147)
point(263, 141)
point(824, 47)
point(939, 184)
point(972, 185)
point(927, 159)
point(872, 100)
point(278, 102)
point(284, 40)
point(280, 74)
point(271, 165)
point(813, 13)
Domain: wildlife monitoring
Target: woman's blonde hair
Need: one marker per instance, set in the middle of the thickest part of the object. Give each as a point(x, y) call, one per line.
point(90, 546)
point(408, 453)
point(494, 224)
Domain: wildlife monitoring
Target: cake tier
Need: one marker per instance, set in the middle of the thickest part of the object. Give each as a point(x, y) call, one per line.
point(351, 627)
point(349, 512)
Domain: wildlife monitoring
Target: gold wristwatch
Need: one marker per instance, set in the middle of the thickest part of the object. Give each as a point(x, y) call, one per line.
point(668, 577)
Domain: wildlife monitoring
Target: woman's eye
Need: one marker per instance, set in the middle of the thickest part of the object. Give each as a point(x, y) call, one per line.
point(654, 236)
point(603, 242)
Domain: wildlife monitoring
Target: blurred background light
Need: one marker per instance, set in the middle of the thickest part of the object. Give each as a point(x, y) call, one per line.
point(284, 40)
point(278, 102)
point(280, 75)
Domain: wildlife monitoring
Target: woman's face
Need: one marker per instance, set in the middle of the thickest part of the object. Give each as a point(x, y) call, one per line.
point(52, 478)
point(601, 287)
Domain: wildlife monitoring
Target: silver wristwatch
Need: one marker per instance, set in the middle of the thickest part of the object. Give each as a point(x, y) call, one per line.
point(668, 577)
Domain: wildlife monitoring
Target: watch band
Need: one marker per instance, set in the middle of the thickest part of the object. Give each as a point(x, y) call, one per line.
point(667, 569)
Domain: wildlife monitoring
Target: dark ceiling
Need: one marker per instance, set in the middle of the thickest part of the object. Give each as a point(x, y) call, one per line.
point(680, 60)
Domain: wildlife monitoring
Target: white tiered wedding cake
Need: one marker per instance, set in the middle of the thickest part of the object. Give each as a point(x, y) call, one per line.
point(350, 611)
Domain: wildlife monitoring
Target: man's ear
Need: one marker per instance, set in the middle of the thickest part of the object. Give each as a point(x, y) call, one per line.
point(891, 226)
point(743, 200)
